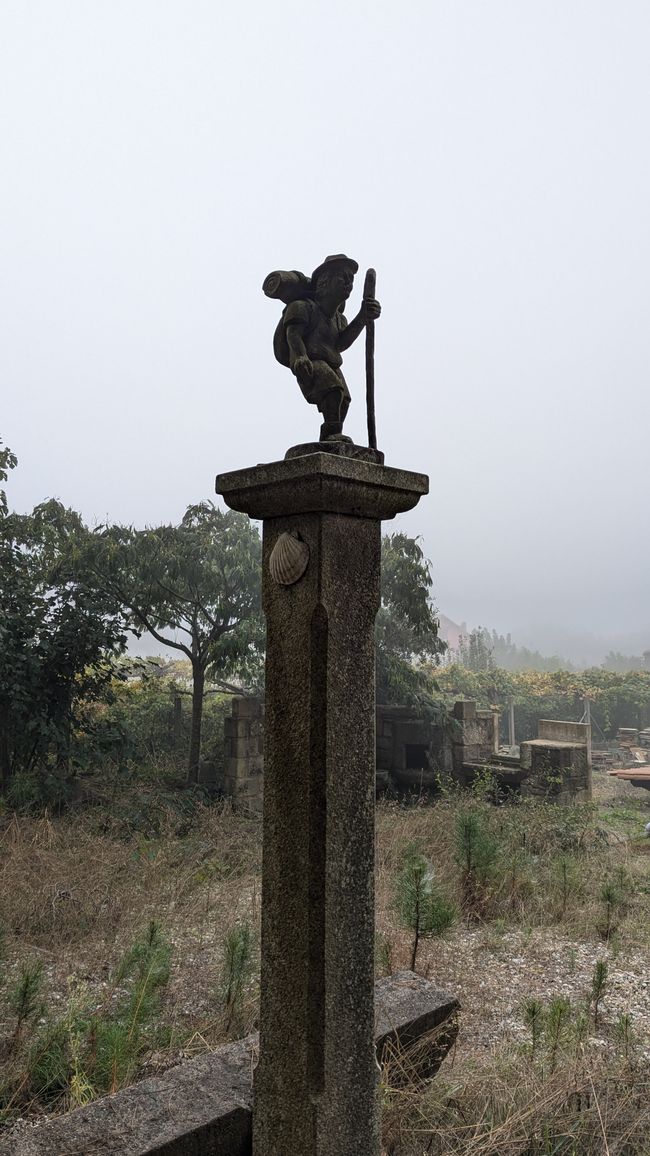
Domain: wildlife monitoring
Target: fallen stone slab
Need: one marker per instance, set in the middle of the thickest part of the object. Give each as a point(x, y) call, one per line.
point(199, 1107)
point(416, 1024)
point(204, 1107)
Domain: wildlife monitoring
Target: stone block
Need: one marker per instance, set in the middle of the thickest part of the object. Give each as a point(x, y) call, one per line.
point(245, 707)
point(562, 731)
point(207, 773)
point(238, 768)
point(202, 1106)
point(465, 709)
point(471, 752)
point(416, 1023)
point(321, 483)
point(238, 728)
point(555, 770)
point(247, 748)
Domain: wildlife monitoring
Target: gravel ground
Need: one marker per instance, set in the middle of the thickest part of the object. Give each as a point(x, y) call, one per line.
point(493, 975)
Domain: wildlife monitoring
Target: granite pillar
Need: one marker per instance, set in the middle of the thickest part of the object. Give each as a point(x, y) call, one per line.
point(315, 1084)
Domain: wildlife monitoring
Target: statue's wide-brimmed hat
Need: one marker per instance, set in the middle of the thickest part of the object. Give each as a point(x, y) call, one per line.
point(331, 262)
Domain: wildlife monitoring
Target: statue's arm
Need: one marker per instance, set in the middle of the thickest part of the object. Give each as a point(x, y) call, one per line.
point(299, 361)
point(369, 311)
point(295, 341)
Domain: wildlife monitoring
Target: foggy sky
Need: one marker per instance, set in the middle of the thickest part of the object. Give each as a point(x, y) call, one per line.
point(490, 159)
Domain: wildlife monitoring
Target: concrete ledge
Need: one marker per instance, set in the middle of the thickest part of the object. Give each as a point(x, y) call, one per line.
point(204, 1107)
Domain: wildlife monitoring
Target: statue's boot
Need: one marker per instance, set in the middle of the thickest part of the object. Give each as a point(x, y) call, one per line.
point(332, 431)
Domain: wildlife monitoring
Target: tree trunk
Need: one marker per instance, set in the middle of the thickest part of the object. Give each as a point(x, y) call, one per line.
point(198, 686)
point(177, 720)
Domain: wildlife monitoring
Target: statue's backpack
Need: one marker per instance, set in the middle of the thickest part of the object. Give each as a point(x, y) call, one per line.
point(287, 287)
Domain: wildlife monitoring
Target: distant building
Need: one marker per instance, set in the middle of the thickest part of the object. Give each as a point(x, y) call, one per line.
point(451, 632)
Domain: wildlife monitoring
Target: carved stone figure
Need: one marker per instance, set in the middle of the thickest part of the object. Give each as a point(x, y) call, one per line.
point(313, 332)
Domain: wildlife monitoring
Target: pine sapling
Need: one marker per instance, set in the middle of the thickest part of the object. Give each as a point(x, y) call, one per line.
point(117, 1036)
point(24, 998)
point(556, 1024)
point(624, 1034)
point(237, 969)
point(422, 907)
point(598, 985)
point(475, 853)
point(534, 1020)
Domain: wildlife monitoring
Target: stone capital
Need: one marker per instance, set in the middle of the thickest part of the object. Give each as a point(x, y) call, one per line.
point(322, 483)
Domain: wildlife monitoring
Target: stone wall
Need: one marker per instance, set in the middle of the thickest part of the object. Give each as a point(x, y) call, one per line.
point(476, 738)
point(563, 731)
point(411, 752)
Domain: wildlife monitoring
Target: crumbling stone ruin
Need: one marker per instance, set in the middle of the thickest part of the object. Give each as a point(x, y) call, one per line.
point(416, 755)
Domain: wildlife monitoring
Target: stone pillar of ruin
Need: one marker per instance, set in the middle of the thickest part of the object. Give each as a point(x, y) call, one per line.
point(315, 1088)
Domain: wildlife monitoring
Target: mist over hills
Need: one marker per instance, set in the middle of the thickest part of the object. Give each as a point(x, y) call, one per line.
point(553, 647)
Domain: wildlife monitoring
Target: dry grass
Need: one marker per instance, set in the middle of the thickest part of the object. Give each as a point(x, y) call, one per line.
point(69, 882)
point(586, 1107)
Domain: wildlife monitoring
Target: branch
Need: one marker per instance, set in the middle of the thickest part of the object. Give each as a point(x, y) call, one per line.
point(173, 593)
point(228, 688)
point(161, 638)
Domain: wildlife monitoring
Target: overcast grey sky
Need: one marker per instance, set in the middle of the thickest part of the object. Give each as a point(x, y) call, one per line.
point(489, 157)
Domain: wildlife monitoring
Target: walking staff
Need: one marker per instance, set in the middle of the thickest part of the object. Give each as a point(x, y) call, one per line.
point(369, 292)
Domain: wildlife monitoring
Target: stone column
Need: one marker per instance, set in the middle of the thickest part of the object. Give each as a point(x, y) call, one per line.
point(244, 773)
point(315, 1084)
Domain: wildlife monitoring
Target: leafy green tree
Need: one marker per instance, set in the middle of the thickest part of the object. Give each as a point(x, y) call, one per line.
point(194, 587)
point(623, 663)
point(7, 462)
point(511, 657)
point(407, 626)
point(58, 640)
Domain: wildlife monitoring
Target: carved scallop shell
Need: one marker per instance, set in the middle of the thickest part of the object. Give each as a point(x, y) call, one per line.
point(289, 559)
